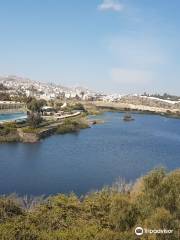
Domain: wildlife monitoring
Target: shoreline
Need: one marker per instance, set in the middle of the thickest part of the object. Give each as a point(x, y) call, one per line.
point(100, 214)
point(12, 120)
point(140, 109)
point(14, 133)
point(20, 135)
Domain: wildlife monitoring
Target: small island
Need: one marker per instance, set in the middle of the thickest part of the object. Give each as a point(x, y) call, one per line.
point(128, 117)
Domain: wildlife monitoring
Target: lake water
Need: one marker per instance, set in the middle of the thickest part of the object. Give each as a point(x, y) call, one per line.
point(11, 116)
point(92, 158)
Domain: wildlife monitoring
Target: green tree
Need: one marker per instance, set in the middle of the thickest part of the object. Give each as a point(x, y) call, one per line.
point(34, 106)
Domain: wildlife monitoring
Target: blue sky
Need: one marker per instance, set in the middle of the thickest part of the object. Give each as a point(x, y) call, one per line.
point(125, 46)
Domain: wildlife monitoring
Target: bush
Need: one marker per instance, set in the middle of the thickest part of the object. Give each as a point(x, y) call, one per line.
point(123, 213)
point(104, 215)
point(69, 126)
point(30, 130)
point(78, 106)
point(7, 128)
point(9, 208)
point(34, 120)
point(18, 230)
point(8, 133)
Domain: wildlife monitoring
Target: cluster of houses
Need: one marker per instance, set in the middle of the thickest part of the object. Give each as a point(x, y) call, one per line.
point(17, 85)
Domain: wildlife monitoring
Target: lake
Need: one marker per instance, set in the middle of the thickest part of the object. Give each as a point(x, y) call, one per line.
point(11, 116)
point(92, 158)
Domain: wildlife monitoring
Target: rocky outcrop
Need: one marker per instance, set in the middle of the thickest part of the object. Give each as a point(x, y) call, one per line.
point(28, 137)
point(32, 137)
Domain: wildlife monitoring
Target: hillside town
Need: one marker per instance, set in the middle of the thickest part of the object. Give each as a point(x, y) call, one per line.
point(15, 86)
point(48, 91)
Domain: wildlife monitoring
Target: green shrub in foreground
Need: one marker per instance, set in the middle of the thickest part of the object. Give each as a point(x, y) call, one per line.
point(153, 202)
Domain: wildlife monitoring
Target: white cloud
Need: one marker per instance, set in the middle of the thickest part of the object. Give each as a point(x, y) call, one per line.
point(131, 76)
point(111, 5)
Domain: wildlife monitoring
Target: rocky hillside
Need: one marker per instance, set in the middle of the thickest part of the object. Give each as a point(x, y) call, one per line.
point(151, 102)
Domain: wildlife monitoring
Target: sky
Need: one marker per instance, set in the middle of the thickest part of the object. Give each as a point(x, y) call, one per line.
point(115, 46)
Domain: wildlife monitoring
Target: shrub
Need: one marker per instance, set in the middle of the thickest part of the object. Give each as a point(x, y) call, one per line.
point(30, 130)
point(69, 126)
point(8, 133)
point(78, 106)
point(106, 214)
point(34, 120)
point(9, 208)
point(123, 213)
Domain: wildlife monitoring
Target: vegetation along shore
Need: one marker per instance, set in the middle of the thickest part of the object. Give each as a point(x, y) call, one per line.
point(45, 118)
point(113, 213)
